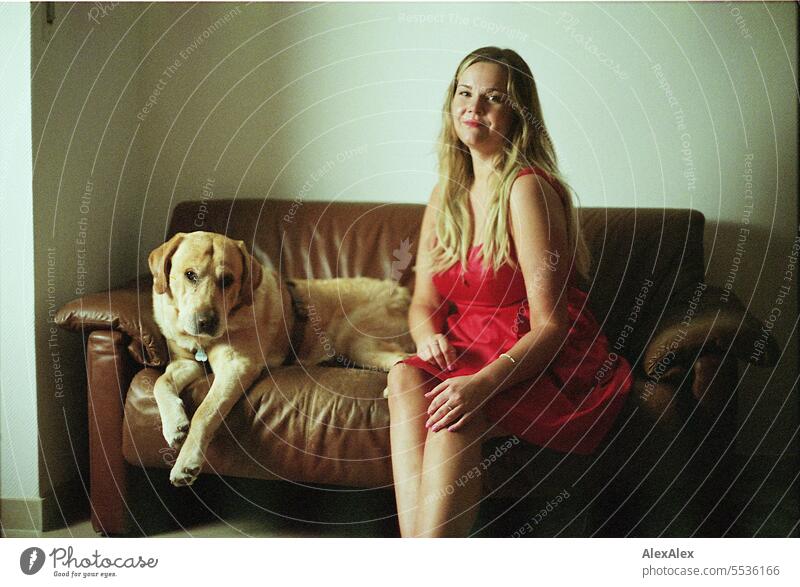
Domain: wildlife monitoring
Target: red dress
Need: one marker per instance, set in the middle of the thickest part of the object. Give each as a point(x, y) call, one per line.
point(573, 403)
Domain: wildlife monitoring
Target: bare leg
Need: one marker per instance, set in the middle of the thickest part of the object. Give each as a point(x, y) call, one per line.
point(447, 508)
point(407, 416)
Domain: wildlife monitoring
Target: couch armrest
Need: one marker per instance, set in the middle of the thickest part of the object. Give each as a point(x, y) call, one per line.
point(110, 369)
point(712, 326)
point(128, 310)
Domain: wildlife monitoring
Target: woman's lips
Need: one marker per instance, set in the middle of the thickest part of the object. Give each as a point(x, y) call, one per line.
point(472, 123)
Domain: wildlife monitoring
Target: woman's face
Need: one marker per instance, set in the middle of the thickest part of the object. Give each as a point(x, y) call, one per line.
point(482, 116)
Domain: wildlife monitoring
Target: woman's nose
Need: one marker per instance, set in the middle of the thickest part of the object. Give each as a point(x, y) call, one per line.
point(475, 105)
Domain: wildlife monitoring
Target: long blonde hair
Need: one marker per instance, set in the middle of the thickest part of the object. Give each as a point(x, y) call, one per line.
point(528, 145)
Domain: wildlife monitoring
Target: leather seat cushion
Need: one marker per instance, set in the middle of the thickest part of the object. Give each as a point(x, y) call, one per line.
point(323, 425)
point(315, 425)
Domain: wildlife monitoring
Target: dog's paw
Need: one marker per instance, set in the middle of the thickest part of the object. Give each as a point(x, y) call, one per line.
point(184, 475)
point(175, 428)
point(186, 469)
point(176, 437)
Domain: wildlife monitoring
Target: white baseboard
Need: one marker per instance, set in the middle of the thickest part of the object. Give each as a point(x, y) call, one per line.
point(21, 517)
point(29, 517)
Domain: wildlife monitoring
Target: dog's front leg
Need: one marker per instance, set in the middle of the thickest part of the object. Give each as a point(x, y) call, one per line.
point(379, 355)
point(167, 390)
point(231, 380)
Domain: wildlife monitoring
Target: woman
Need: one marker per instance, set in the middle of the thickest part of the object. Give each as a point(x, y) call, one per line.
point(521, 354)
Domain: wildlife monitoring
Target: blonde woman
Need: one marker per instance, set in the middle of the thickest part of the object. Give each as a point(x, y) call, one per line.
point(520, 354)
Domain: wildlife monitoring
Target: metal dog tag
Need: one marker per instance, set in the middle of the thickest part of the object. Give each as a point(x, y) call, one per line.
point(201, 355)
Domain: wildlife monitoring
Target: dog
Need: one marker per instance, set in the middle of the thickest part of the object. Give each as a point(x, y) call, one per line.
point(215, 303)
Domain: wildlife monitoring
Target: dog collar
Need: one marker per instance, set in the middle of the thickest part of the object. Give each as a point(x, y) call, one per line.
point(300, 313)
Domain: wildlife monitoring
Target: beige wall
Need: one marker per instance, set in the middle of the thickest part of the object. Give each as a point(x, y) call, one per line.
point(257, 98)
point(87, 185)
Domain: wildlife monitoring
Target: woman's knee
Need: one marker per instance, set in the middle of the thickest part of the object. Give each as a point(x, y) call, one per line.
point(401, 378)
point(406, 388)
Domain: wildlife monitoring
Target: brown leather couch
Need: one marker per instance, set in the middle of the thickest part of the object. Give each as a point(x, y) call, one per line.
point(661, 470)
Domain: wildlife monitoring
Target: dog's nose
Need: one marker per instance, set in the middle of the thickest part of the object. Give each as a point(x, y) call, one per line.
point(207, 323)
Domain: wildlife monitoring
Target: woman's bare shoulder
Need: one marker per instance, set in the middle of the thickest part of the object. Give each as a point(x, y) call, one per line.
point(533, 189)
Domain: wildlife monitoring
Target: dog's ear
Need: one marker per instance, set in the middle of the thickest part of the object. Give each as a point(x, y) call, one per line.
point(251, 275)
point(160, 260)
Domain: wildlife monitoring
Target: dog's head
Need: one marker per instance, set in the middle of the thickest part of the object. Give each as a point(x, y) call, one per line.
point(206, 276)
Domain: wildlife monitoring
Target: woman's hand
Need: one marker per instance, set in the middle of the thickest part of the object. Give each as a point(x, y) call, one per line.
point(455, 401)
point(437, 350)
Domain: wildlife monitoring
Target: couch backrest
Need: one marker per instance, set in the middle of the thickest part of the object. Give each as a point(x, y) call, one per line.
point(631, 248)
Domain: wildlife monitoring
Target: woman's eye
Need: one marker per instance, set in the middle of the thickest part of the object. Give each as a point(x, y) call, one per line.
point(464, 93)
point(494, 97)
point(191, 276)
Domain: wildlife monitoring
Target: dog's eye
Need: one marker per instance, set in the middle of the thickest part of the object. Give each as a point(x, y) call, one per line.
point(226, 281)
point(191, 276)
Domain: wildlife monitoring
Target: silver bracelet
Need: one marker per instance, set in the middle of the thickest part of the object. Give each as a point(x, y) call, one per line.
point(509, 357)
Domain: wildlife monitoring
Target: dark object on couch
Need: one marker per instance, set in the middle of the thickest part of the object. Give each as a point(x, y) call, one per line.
point(660, 472)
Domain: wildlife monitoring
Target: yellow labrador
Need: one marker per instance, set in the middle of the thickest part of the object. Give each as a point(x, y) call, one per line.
point(214, 302)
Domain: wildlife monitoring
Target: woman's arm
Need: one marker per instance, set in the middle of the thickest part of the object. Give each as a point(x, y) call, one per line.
point(427, 313)
point(539, 230)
